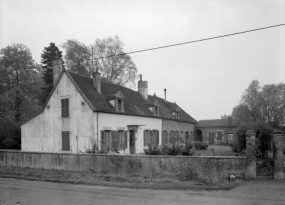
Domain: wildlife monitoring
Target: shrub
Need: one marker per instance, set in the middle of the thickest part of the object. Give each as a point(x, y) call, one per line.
point(200, 145)
point(170, 149)
point(152, 150)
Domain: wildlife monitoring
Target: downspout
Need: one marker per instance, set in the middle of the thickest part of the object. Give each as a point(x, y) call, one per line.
point(98, 128)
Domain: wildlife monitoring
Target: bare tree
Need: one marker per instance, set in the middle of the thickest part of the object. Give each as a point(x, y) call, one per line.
point(106, 55)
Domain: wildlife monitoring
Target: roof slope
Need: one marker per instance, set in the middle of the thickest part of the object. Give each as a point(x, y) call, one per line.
point(217, 123)
point(134, 104)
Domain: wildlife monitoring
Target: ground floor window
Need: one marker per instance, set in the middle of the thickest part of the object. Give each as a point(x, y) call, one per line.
point(65, 140)
point(220, 135)
point(165, 137)
point(115, 140)
point(230, 137)
point(151, 137)
point(187, 137)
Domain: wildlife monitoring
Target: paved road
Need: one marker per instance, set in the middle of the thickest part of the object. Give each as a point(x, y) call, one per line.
point(13, 191)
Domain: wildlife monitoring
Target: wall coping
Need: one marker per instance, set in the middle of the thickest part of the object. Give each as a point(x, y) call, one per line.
point(128, 155)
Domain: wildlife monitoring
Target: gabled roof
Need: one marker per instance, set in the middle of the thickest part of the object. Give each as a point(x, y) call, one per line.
point(218, 123)
point(134, 104)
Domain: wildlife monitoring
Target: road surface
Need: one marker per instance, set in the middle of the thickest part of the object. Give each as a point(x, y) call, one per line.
point(22, 192)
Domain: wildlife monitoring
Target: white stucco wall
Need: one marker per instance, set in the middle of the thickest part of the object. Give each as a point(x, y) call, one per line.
point(115, 121)
point(43, 133)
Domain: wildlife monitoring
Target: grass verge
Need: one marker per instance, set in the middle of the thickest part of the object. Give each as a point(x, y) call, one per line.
point(101, 179)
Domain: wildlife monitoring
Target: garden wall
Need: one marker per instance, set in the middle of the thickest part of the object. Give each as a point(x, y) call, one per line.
point(206, 169)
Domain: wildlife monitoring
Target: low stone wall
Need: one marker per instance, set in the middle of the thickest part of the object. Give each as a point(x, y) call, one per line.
point(206, 169)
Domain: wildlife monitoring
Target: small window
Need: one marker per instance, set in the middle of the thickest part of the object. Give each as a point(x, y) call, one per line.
point(120, 105)
point(65, 141)
point(220, 135)
point(156, 111)
point(65, 108)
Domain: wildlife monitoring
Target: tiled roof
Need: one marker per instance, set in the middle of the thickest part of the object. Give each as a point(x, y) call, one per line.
point(233, 131)
point(217, 123)
point(134, 104)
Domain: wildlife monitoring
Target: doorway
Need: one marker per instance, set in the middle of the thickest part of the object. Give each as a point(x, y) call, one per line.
point(132, 142)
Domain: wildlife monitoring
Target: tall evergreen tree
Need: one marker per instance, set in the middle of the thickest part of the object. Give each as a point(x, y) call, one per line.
point(48, 55)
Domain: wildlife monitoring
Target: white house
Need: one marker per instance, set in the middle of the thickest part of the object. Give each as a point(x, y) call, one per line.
point(81, 111)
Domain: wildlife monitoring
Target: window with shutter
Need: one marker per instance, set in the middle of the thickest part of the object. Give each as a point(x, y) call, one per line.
point(176, 136)
point(144, 138)
point(220, 135)
point(120, 138)
point(126, 139)
point(171, 137)
point(150, 141)
point(65, 141)
point(65, 108)
point(182, 138)
point(187, 137)
point(113, 141)
point(108, 137)
point(156, 137)
point(103, 140)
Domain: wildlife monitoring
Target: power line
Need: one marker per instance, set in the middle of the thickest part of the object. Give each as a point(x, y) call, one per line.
point(179, 44)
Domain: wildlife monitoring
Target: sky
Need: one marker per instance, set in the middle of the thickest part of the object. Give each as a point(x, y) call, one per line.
point(206, 79)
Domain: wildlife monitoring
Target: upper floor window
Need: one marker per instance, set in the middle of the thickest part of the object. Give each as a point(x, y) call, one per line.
point(175, 112)
point(117, 101)
point(153, 107)
point(65, 108)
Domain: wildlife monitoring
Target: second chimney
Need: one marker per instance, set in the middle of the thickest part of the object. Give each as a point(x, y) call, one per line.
point(165, 96)
point(97, 81)
point(143, 88)
point(56, 69)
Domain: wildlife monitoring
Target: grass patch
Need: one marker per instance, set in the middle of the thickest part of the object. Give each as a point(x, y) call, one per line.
point(91, 178)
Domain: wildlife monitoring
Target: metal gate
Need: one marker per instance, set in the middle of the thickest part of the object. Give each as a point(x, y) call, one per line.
point(265, 159)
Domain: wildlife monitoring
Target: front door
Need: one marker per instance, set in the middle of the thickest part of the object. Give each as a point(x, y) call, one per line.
point(132, 142)
point(211, 138)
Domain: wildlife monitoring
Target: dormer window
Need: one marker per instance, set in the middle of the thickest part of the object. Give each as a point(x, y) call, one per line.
point(175, 112)
point(117, 101)
point(154, 108)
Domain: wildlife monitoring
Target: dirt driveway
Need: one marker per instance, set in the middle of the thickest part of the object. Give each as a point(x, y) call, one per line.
point(15, 191)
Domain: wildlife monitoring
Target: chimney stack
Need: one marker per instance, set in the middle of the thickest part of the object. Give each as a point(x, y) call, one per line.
point(165, 96)
point(56, 69)
point(97, 81)
point(143, 88)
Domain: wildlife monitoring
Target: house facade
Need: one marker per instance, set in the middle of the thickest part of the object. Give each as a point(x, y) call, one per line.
point(81, 112)
point(217, 131)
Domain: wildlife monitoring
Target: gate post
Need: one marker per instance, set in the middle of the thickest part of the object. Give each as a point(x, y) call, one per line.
point(250, 170)
point(278, 140)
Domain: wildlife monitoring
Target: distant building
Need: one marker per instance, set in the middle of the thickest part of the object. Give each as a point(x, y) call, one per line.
point(217, 131)
point(82, 111)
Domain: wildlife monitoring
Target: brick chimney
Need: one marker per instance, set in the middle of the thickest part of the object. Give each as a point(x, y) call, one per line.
point(143, 88)
point(56, 69)
point(97, 81)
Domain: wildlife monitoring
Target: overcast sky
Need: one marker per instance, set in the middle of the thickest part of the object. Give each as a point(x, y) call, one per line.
point(206, 78)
